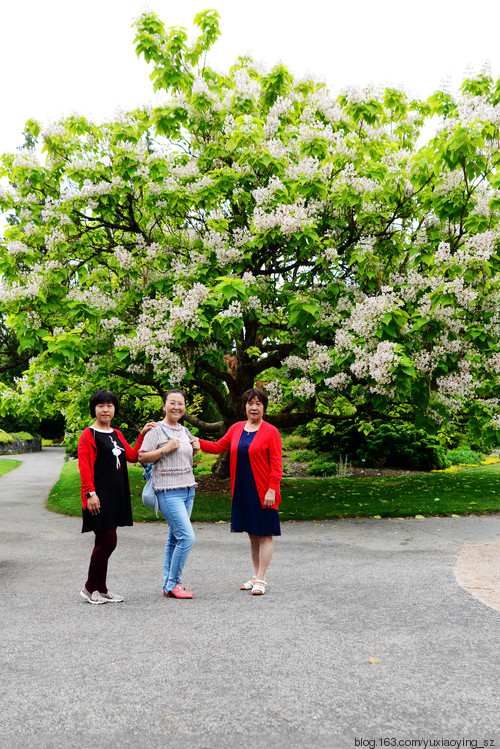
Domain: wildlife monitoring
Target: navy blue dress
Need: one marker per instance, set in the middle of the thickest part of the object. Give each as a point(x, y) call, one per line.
point(247, 513)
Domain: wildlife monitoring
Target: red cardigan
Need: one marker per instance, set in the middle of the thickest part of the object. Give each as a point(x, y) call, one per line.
point(264, 455)
point(87, 454)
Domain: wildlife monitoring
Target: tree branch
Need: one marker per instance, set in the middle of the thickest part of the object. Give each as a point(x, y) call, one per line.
point(213, 427)
point(212, 391)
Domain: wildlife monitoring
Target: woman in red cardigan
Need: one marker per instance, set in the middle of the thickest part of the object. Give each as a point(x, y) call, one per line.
point(102, 459)
point(256, 468)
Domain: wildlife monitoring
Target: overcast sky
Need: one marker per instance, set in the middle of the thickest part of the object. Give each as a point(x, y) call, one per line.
point(59, 56)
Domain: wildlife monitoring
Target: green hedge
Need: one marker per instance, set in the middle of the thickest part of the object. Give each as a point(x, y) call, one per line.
point(464, 455)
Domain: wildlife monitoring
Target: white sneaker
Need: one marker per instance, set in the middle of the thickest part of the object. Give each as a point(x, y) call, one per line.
point(112, 597)
point(94, 597)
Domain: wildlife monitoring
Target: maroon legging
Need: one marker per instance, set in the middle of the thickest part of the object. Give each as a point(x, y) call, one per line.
point(105, 544)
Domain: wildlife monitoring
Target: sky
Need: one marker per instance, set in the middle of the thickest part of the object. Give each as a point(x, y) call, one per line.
point(60, 57)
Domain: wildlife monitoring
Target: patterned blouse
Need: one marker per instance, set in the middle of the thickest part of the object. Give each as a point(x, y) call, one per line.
point(175, 469)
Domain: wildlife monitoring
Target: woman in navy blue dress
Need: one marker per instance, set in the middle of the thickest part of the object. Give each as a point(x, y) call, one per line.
point(256, 469)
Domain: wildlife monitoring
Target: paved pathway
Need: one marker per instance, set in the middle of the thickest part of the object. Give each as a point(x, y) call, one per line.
point(363, 635)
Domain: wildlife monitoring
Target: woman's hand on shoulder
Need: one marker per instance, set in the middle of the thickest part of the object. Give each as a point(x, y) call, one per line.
point(195, 443)
point(150, 425)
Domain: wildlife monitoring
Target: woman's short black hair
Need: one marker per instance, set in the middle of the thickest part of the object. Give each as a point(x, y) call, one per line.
point(174, 390)
point(255, 393)
point(103, 396)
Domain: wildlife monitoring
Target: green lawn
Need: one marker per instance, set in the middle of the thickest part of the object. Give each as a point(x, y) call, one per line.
point(7, 464)
point(464, 492)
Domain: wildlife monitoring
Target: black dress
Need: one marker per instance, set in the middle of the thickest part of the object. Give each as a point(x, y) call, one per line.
point(111, 484)
point(247, 513)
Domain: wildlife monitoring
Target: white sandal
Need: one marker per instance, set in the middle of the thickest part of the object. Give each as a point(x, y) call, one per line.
point(259, 588)
point(248, 585)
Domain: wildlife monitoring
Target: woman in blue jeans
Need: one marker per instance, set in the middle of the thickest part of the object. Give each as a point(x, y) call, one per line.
point(168, 446)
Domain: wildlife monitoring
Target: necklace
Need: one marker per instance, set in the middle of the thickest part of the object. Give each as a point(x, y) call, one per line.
point(251, 431)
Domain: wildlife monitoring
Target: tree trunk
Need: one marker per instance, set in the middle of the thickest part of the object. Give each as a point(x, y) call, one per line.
point(221, 467)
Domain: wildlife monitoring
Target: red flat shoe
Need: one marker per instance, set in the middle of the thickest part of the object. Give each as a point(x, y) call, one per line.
point(167, 595)
point(179, 592)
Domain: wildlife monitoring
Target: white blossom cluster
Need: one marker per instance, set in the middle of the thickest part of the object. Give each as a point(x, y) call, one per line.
point(357, 184)
point(422, 361)
point(473, 109)
point(16, 247)
point(6, 192)
point(288, 218)
point(303, 388)
point(483, 205)
point(478, 248)
point(224, 251)
point(234, 310)
point(33, 320)
point(245, 86)
point(365, 316)
point(275, 391)
point(165, 361)
point(90, 190)
point(309, 167)
point(139, 369)
point(449, 182)
point(26, 290)
point(276, 148)
point(459, 384)
point(93, 297)
point(318, 359)
point(466, 297)
point(281, 106)
point(113, 323)
point(379, 365)
point(124, 257)
point(137, 343)
point(493, 364)
point(340, 381)
point(86, 164)
point(264, 195)
point(495, 422)
point(26, 159)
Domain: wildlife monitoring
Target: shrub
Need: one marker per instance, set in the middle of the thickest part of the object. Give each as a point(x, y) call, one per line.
point(5, 437)
point(321, 467)
point(396, 444)
point(293, 442)
point(303, 456)
point(402, 447)
point(22, 436)
point(71, 442)
point(464, 455)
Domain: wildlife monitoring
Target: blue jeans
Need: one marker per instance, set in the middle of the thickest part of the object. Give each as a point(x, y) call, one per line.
point(176, 506)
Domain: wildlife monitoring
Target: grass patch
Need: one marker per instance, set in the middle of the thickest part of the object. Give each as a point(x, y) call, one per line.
point(203, 463)
point(7, 464)
point(465, 492)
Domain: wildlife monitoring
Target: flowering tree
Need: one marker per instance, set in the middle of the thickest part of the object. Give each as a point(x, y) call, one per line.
point(254, 228)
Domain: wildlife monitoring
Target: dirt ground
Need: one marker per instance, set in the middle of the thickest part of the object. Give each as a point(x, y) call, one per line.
point(478, 571)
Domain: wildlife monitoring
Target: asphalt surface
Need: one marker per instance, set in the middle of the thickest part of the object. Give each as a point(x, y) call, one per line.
point(364, 637)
